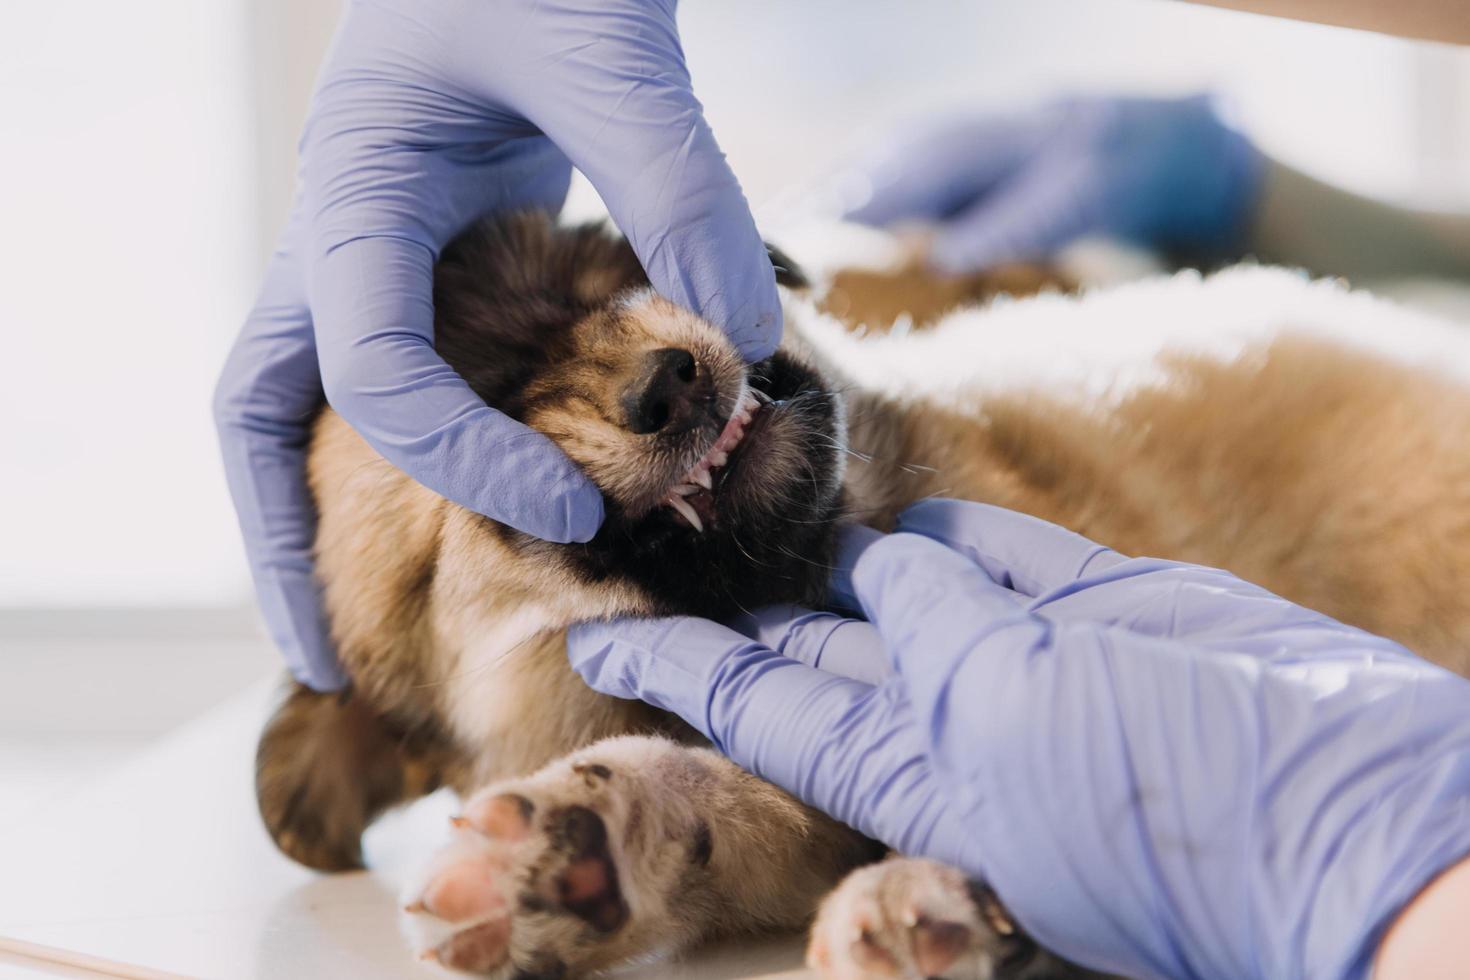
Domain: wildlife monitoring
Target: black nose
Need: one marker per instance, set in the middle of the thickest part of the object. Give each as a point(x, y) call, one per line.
point(668, 394)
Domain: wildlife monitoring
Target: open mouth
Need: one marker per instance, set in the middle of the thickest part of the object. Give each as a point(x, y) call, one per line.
point(695, 496)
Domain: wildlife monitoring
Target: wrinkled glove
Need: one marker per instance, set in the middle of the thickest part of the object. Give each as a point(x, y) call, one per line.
point(427, 114)
point(1164, 174)
point(1163, 771)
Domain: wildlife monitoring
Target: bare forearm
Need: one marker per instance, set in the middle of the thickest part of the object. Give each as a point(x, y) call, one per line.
point(1429, 941)
point(1431, 20)
point(1305, 222)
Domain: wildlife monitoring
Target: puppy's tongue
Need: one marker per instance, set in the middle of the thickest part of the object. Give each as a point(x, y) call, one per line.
point(698, 478)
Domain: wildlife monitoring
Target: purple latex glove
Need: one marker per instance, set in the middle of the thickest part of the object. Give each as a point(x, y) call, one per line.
point(1162, 770)
point(1166, 174)
point(427, 114)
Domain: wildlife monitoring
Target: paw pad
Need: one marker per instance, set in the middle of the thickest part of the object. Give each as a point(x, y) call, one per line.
point(477, 949)
point(462, 891)
point(588, 887)
point(506, 816)
point(938, 943)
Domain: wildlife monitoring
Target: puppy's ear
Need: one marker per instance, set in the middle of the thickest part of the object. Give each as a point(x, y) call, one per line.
point(326, 767)
point(788, 273)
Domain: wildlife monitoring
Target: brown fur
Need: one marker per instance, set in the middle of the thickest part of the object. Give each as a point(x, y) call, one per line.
point(874, 299)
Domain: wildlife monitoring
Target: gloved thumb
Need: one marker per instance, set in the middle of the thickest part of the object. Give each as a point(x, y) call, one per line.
point(631, 123)
point(924, 597)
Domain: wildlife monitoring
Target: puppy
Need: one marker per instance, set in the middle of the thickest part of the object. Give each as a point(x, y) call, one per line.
point(601, 831)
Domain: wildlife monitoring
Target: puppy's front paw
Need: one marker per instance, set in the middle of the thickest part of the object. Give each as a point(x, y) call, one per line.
point(913, 918)
point(543, 873)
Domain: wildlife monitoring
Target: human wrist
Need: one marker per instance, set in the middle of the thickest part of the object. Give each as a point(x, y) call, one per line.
point(1428, 940)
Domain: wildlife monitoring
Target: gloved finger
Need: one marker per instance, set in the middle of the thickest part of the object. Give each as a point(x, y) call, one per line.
point(836, 644)
point(621, 107)
point(1016, 550)
point(381, 209)
point(845, 747)
point(371, 297)
point(852, 542)
point(395, 144)
point(933, 172)
point(1028, 217)
point(390, 173)
point(666, 662)
point(923, 596)
point(265, 401)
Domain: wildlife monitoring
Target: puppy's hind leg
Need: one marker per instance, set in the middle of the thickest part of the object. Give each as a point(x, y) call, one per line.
point(630, 847)
point(327, 765)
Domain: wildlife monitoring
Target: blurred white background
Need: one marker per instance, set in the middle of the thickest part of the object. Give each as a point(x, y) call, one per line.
point(147, 154)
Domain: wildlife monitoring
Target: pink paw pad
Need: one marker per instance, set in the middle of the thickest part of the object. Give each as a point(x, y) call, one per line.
point(505, 816)
point(463, 890)
point(477, 949)
point(938, 944)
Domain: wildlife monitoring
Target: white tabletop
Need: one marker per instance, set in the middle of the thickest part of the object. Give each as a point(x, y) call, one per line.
point(161, 868)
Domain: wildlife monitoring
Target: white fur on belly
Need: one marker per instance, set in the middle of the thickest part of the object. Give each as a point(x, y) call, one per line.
point(481, 688)
point(1104, 342)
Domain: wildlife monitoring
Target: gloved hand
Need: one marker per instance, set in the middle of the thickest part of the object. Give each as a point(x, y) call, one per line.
point(427, 114)
point(1161, 173)
point(1163, 771)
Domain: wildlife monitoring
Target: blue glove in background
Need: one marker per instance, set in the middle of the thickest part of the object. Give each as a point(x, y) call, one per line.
point(1163, 771)
point(1161, 173)
point(427, 114)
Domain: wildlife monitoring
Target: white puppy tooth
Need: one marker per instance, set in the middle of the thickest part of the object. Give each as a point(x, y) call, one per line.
point(719, 459)
point(683, 507)
point(701, 477)
point(684, 489)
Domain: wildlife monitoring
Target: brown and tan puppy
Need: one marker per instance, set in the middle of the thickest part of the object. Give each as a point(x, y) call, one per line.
point(725, 485)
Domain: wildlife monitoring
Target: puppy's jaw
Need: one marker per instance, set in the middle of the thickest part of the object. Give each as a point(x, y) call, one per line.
point(706, 474)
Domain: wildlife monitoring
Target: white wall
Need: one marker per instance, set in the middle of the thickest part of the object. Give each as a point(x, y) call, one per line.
point(126, 186)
